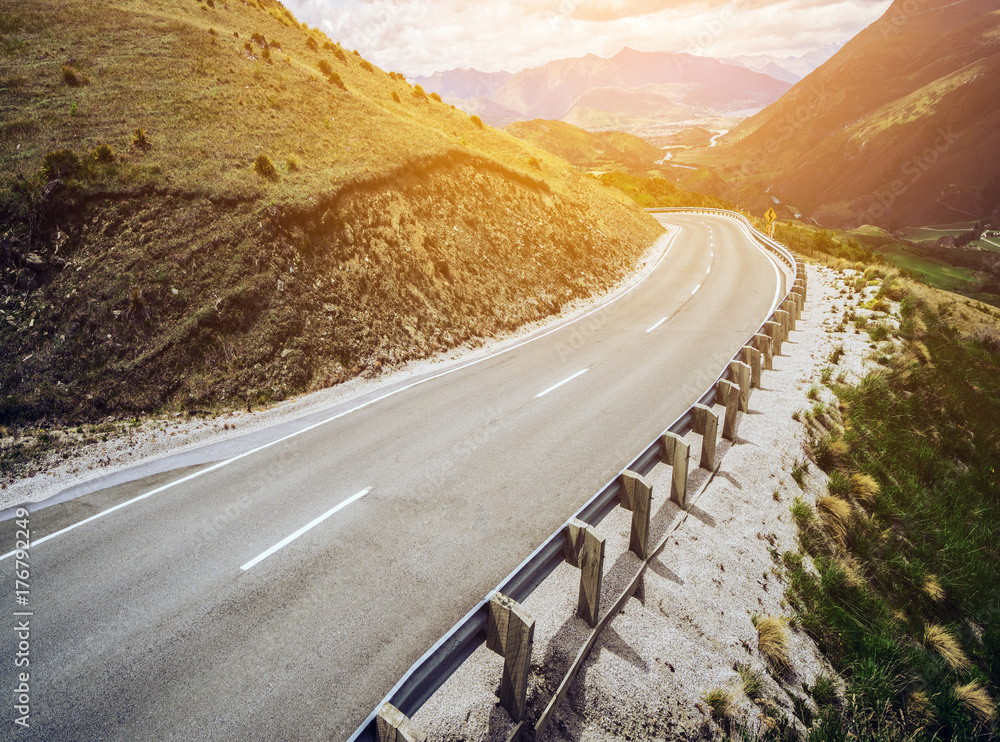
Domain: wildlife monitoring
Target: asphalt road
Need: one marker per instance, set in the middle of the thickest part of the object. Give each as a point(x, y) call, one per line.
point(175, 617)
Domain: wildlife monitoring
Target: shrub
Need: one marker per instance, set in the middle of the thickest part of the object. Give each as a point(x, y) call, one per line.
point(264, 167)
point(62, 164)
point(772, 642)
point(418, 91)
point(335, 79)
point(73, 78)
point(104, 154)
point(435, 96)
point(366, 66)
point(339, 54)
point(325, 67)
point(311, 43)
point(259, 38)
point(266, 54)
point(395, 96)
point(140, 140)
point(476, 121)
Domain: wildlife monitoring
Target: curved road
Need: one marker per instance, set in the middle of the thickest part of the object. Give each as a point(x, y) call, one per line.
point(280, 594)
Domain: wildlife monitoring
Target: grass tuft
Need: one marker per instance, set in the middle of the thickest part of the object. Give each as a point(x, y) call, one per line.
point(938, 639)
point(264, 167)
point(73, 77)
point(720, 701)
point(835, 515)
point(104, 154)
point(752, 682)
point(933, 589)
point(140, 140)
point(865, 488)
point(772, 641)
point(977, 701)
point(476, 121)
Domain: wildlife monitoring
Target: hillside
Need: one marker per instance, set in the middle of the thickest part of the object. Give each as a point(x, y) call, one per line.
point(588, 149)
point(901, 127)
point(287, 217)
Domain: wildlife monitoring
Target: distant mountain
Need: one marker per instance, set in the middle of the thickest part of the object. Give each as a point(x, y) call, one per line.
point(901, 126)
point(466, 84)
point(637, 85)
point(629, 90)
point(789, 68)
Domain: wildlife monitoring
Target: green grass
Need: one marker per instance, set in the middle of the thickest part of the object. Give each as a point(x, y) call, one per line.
point(906, 603)
point(934, 272)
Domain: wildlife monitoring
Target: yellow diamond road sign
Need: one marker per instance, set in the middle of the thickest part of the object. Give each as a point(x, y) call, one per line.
point(770, 216)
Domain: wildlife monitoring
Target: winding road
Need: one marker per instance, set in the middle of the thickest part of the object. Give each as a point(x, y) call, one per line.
point(278, 591)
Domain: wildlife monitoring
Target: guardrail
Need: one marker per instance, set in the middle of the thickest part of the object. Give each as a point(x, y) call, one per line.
point(432, 670)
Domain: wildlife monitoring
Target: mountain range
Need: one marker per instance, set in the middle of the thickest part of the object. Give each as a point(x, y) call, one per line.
point(627, 91)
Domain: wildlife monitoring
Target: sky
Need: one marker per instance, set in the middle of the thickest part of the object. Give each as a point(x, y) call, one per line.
point(419, 37)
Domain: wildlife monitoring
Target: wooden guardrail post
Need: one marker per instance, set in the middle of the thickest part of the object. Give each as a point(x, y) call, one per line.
point(675, 452)
point(739, 373)
point(788, 305)
point(781, 317)
point(763, 344)
point(585, 551)
point(752, 358)
point(730, 394)
point(706, 424)
point(637, 496)
point(510, 632)
point(773, 331)
point(395, 726)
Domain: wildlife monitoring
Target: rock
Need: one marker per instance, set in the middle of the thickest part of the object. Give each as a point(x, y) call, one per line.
point(61, 241)
point(36, 262)
point(52, 189)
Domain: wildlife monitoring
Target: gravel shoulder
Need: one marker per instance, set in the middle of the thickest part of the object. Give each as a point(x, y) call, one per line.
point(690, 625)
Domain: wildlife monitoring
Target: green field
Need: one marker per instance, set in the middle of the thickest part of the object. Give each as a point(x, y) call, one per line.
point(937, 273)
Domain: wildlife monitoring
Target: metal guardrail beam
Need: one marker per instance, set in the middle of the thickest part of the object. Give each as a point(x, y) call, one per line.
point(432, 670)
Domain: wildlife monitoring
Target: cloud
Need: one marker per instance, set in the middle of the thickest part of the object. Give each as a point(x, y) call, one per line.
point(423, 36)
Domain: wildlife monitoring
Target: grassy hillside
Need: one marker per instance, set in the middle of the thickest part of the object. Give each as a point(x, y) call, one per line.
point(206, 203)
point(970, 273)
point(589, 150)
point(897, 577)
point(899, 127)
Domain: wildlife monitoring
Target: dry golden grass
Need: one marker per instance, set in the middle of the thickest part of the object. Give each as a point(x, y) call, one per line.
point(772, 641)
point(865, 488)
point(938, 639)
point(835, 515)
point(977, 701)
point(932, 588)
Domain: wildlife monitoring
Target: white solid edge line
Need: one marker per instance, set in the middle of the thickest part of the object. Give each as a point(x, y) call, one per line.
point(657, 325)
point(564, 381)
point(286, 541)
point(227, 462)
